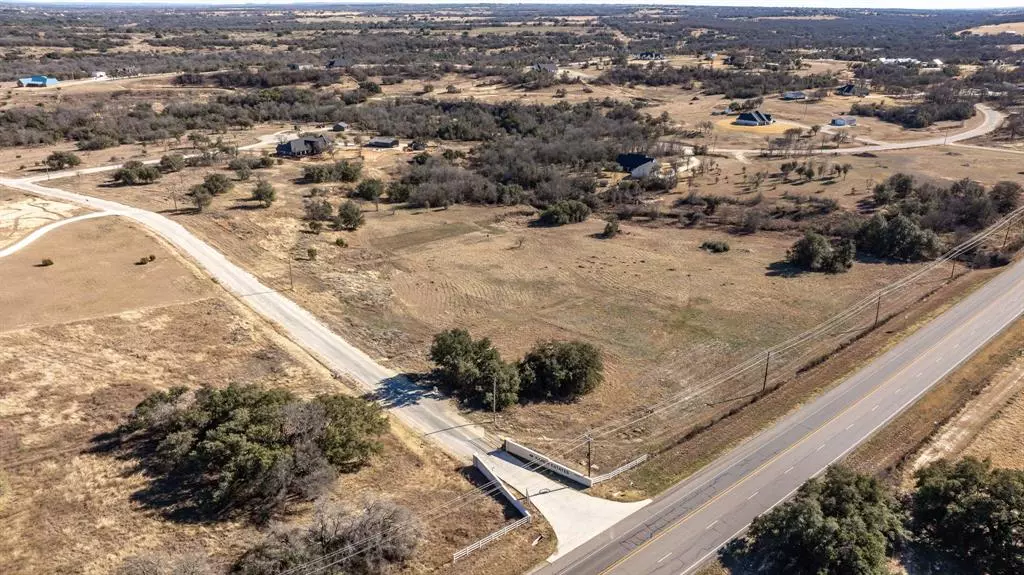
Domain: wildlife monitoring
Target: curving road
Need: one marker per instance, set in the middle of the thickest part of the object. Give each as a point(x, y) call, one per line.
point(687, 525)
point(992, 120)
point(689, 522)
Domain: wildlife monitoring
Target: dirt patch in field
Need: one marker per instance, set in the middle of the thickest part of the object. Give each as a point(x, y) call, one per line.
point(21, 213)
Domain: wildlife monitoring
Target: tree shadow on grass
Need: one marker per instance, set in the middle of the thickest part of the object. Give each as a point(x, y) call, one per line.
point(783, 269)
point(406, 389)
point(178, 495)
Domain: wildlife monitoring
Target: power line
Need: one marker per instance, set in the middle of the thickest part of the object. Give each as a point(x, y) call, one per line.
point(663, 406)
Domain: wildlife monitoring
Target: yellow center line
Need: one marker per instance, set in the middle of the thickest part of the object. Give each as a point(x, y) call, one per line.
point(798, 443)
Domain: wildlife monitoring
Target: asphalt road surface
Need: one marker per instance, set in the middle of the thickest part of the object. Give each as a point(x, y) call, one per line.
point(688, 524)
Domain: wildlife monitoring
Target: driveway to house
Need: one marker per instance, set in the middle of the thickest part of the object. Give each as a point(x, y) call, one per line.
point(993, 119)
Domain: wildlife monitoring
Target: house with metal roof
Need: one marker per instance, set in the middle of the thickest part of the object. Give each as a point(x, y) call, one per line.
point(37, 82)
point(305, 146)
point(638, 165)
point(755, 118)
point(382, 142)
point(794, 96)
point(843, 121)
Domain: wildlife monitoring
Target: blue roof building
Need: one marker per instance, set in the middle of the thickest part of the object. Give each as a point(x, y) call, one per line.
point(37, 82)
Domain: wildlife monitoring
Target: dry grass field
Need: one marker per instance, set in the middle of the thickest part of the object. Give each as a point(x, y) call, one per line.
point(82, 341)
point(663, 311)
point(995, 29)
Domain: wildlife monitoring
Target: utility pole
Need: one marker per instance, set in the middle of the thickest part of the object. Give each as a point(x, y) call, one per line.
point(764, 384)
point(1006, 236)
point(494, 403)
point(878, 308)
point(952, 270)
point(590, 443)
point(291, 279)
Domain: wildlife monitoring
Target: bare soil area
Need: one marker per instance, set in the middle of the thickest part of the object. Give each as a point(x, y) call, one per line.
point(73, 371)
point(21, 213)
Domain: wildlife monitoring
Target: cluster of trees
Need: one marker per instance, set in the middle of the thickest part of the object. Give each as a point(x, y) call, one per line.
point(814, 252)
point(243, 166)
point(213, 185)
point(386, 533)
point(476, 373)
point(730, 83)
point(964, 515)
point(907, 226)
point(134, 173)
point(564, 212)
point(347, 217)
point(248, 448)
point(964, 205)
point(340, 171)
point(62, 160)
point(941, 104)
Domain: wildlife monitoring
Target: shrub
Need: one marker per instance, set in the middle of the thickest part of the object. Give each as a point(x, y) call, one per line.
point(312, 252)
point(243, 172)
point(970, 513)
point(386, 534)
point(318, 210)
point(474, 369)
point(611, 229)
point(898, 238)
point(201, 197)
point(46, 262)
point(815, 253)
point(341, 171)
point(340, 242)
point(562, 370)
point(264, 193)
point(135, 172)
point(564, 212)
point(370, 189)
point(715, 246)
point(172, 163)
point(97, 143)
point(244, 447)
point(62, 160)
point(350, 217)
point(842, 522)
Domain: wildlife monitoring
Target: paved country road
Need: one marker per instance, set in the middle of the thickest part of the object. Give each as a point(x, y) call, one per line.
point(687, 524)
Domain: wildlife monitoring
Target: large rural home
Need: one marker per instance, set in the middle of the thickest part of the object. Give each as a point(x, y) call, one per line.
point(305, 146)
point(794, 96)
point(638, 165)
point(382, 142)
point(851, 90)
point(755, 118)
point(546, 67)
point(37, 82)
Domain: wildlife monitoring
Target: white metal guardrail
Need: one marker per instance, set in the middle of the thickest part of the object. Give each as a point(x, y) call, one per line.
point(526, 517)
point(461, 553)
point(525, 453)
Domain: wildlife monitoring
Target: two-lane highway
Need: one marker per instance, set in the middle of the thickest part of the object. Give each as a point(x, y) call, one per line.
point(688, 524)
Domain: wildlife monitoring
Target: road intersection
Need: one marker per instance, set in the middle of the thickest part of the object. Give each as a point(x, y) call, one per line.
point(688, 523)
